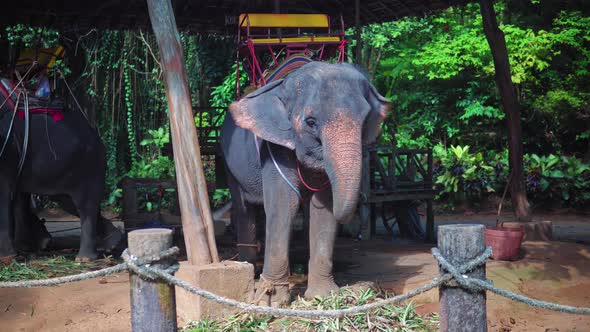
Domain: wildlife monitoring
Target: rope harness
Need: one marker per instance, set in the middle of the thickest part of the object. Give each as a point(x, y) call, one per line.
point(268, 288)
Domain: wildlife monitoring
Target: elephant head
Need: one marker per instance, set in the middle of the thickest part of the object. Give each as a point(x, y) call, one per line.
point(325, 113)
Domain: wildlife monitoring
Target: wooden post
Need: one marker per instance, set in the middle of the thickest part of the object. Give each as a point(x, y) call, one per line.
point(129, 198)
point(153, 303)
point(429, 222)
point(197, 223)
point(357, 23)
point(461, 310)
point(511, 107)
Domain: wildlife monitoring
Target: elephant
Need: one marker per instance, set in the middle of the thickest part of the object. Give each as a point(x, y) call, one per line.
point(298, 141)
point(64, 156)
point(31, 235)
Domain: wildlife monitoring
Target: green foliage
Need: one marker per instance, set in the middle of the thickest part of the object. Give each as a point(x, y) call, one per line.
point(558, 180)
point(160, 137)
point(154, 165)
point(28, 36)
point(123, 78)
point(551, 180)
point(461, 174)
point(439, 73)
point(389, 318)
point(220, 197)
point(225, 93)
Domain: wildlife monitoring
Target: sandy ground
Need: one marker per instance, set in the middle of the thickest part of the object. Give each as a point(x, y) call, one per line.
point(556, 271)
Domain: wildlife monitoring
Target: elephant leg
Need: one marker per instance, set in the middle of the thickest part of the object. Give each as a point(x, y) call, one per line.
point(322, 234)
point(30, 233)
point(7, 252)
point(88, 208)
point(243, 217)
point(109, 236)
point(23, 226)
point(281, 205)
point(246, 222)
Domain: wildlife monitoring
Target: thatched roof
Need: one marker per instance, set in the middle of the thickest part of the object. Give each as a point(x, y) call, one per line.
point(199, 16)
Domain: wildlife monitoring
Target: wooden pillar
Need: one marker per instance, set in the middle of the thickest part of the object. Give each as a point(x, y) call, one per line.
point(197, 223)
point(357, 24)
point(495, 38)
point(429, 222)
point(460, 309)
point(153, 303)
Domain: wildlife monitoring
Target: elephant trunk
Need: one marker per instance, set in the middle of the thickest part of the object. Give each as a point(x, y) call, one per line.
point(343, 158)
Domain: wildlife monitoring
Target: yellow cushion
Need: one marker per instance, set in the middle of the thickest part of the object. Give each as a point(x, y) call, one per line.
point(284, 20)
point(295, 40)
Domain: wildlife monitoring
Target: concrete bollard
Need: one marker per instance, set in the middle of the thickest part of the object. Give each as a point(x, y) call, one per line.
point(153, 303)
point(462, 310)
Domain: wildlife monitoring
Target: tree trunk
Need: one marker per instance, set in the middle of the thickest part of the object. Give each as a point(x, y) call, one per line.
point(511, 107)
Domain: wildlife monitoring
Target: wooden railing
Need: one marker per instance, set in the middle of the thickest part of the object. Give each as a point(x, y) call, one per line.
point(209, 121)
point(399, 174)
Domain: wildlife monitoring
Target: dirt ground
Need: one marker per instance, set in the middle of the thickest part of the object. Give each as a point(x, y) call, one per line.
point(556, 271)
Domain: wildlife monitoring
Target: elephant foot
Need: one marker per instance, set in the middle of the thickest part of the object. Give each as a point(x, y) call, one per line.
point(272, 293)
point(44, 243)
point(42, 236)
point(111, 240)
point(84, 256)
point(323, 289)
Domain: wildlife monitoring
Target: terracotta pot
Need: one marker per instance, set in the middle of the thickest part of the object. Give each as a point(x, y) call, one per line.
point(505, 241)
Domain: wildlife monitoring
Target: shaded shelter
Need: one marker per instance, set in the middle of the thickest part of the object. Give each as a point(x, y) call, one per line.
point(210, 16)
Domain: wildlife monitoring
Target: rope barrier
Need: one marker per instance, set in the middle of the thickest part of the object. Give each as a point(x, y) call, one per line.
point(452, 276)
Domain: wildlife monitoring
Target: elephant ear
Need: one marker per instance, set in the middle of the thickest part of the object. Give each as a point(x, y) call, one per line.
point(263, 113)
point(380, 107)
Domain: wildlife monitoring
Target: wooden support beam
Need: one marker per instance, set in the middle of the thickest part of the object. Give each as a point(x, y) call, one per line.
point(197, 223)
point(357, 24)
point(511, 107)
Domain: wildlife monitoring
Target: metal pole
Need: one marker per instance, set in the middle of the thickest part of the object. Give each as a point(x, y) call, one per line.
point(197, 223)
point(153, 303)
point(462, 310)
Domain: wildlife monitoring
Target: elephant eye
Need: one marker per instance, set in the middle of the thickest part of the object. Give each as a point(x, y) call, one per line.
point(310, 121)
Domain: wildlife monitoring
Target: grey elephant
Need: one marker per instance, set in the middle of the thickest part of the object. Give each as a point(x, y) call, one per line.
point(64, 157)
point(299, 140)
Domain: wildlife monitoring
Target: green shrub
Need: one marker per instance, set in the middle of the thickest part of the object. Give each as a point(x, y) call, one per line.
point(557, 180)
point(462, 175)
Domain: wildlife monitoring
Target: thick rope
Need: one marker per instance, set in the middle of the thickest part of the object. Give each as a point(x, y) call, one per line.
point(309, 314)
point(454, 277)
point(475, 284)
point(62, 280)
point(90, 275)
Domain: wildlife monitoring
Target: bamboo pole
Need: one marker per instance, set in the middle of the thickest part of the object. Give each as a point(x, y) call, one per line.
point(197, 223)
